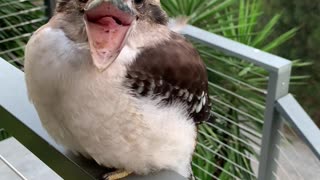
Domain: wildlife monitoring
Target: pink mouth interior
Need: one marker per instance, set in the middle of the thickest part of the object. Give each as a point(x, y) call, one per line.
point(107, 28)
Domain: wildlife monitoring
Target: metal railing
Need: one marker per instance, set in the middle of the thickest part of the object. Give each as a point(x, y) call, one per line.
point(18, 19)
point(19, 118)
point(279, 103)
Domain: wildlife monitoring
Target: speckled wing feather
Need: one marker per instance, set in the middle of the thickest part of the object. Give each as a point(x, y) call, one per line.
point(173, 71)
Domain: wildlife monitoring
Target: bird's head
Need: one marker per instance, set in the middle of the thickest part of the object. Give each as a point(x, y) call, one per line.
point(109, 25)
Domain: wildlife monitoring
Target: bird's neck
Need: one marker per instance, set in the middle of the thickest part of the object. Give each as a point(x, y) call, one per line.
point(146, 34)
point(72, 26)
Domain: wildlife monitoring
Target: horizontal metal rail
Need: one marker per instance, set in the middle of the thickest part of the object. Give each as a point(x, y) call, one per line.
point(301, 122)
point(270, 62)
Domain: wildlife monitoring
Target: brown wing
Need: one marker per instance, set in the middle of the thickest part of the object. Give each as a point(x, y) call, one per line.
point(172, 71)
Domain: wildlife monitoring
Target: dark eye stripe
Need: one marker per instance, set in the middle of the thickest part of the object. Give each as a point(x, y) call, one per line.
point(157, 14)
point(152, 12)
point(138, 1)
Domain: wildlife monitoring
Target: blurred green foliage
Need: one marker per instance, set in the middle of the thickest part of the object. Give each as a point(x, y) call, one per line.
point(18, 20)
point(305, 44)
point(296, 13)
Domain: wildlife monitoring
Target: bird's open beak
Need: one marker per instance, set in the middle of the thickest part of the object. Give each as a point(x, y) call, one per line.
point(108, 23)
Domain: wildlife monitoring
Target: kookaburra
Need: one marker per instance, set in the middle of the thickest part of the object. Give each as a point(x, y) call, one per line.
point(112, 82)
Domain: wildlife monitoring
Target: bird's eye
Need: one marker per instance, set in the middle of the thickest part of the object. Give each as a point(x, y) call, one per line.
point(138, 1)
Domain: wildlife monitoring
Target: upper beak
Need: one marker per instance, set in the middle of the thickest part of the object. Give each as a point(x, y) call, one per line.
point(120, 4)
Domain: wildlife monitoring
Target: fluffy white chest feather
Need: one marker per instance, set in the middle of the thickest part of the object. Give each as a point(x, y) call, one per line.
point(92, 113)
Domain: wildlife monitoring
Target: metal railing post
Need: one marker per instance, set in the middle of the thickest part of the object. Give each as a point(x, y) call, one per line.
point(277, 87)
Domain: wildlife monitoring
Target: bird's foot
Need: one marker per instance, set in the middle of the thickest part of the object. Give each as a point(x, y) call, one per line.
point(118, 174)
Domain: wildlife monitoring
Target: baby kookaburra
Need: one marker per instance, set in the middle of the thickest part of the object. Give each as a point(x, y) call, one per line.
point(110, 81)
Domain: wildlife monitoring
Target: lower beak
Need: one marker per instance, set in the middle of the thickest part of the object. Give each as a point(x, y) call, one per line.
point(120, 4)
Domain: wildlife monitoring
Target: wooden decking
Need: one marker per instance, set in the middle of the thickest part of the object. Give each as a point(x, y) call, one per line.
point(17, 162)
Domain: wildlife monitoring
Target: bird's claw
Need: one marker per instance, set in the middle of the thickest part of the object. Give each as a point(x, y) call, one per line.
point(119, 174)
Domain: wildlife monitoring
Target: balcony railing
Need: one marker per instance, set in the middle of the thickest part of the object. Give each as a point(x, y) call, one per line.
point(19, 118)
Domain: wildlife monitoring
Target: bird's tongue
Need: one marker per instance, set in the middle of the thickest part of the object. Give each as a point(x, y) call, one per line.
point(108, 22)
point(106, 38)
